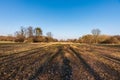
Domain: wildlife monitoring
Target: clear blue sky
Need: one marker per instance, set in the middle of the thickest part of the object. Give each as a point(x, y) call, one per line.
point(64, 18)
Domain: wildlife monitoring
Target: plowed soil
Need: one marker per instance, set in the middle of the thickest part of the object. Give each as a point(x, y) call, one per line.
point(60, 62)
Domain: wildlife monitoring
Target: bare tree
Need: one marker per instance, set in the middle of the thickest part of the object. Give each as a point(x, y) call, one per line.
point(30, 31)
point(49, 34)
point(23, 31)
point(96, 33)
point(20, 35)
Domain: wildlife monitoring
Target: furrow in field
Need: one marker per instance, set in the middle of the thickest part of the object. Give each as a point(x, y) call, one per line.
point(102, 66)
point(12, 70)
point(42, 68)
point(88, 68)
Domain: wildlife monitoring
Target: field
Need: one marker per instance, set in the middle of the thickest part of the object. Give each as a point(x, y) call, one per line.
point(59, 61)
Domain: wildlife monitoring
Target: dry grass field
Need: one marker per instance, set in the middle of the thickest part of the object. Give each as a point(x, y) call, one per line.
point(59, 61)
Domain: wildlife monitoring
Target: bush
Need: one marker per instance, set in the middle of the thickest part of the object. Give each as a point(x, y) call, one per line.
point(29, 40)
point(112, 40)
point(20, 39)
point(38, 39)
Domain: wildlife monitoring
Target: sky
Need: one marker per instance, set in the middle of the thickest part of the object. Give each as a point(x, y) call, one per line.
point(66, 19)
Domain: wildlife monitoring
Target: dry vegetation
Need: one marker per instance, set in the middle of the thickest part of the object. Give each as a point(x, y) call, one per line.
point(59, 61)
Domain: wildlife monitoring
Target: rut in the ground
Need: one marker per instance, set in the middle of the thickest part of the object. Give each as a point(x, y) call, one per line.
point(63, 62)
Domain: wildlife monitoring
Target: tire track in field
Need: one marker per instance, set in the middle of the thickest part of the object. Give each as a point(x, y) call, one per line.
point(107, 54)
point(49, 62)
point(59, 68)
point(66, 71)
point(14, 68)
point(112, 73)
point(26, 66)
point(86, 65)
point(105, 70)
point(108, 57)
point(12, 60)
point(14, 55)
point(108, 67)
point(79, 71)
point(56, 69)
point(21, 55)
point(36, 64)
point(42, 68)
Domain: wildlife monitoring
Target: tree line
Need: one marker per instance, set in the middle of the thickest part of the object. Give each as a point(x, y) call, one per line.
point(31, 34)
point(97, 38)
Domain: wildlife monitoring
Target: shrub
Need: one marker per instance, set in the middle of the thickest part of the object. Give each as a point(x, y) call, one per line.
point(112, 40)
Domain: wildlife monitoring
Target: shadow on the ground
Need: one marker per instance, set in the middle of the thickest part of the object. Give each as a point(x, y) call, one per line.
point(66, 70)
point(42, 69)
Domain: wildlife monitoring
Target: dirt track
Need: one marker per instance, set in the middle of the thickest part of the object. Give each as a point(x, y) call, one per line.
point(62, 62)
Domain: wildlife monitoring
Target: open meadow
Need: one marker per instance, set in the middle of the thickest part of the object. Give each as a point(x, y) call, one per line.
point(59, 61)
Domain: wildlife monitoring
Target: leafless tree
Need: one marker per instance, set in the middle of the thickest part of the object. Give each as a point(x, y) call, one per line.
point(49, 34)
point(30, 31)
point(20, 35)
point(96, 33)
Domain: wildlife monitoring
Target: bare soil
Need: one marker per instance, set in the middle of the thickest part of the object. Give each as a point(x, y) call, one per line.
point(57, 61)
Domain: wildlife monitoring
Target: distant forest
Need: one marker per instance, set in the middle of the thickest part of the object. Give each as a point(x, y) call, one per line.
point(30, 34)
